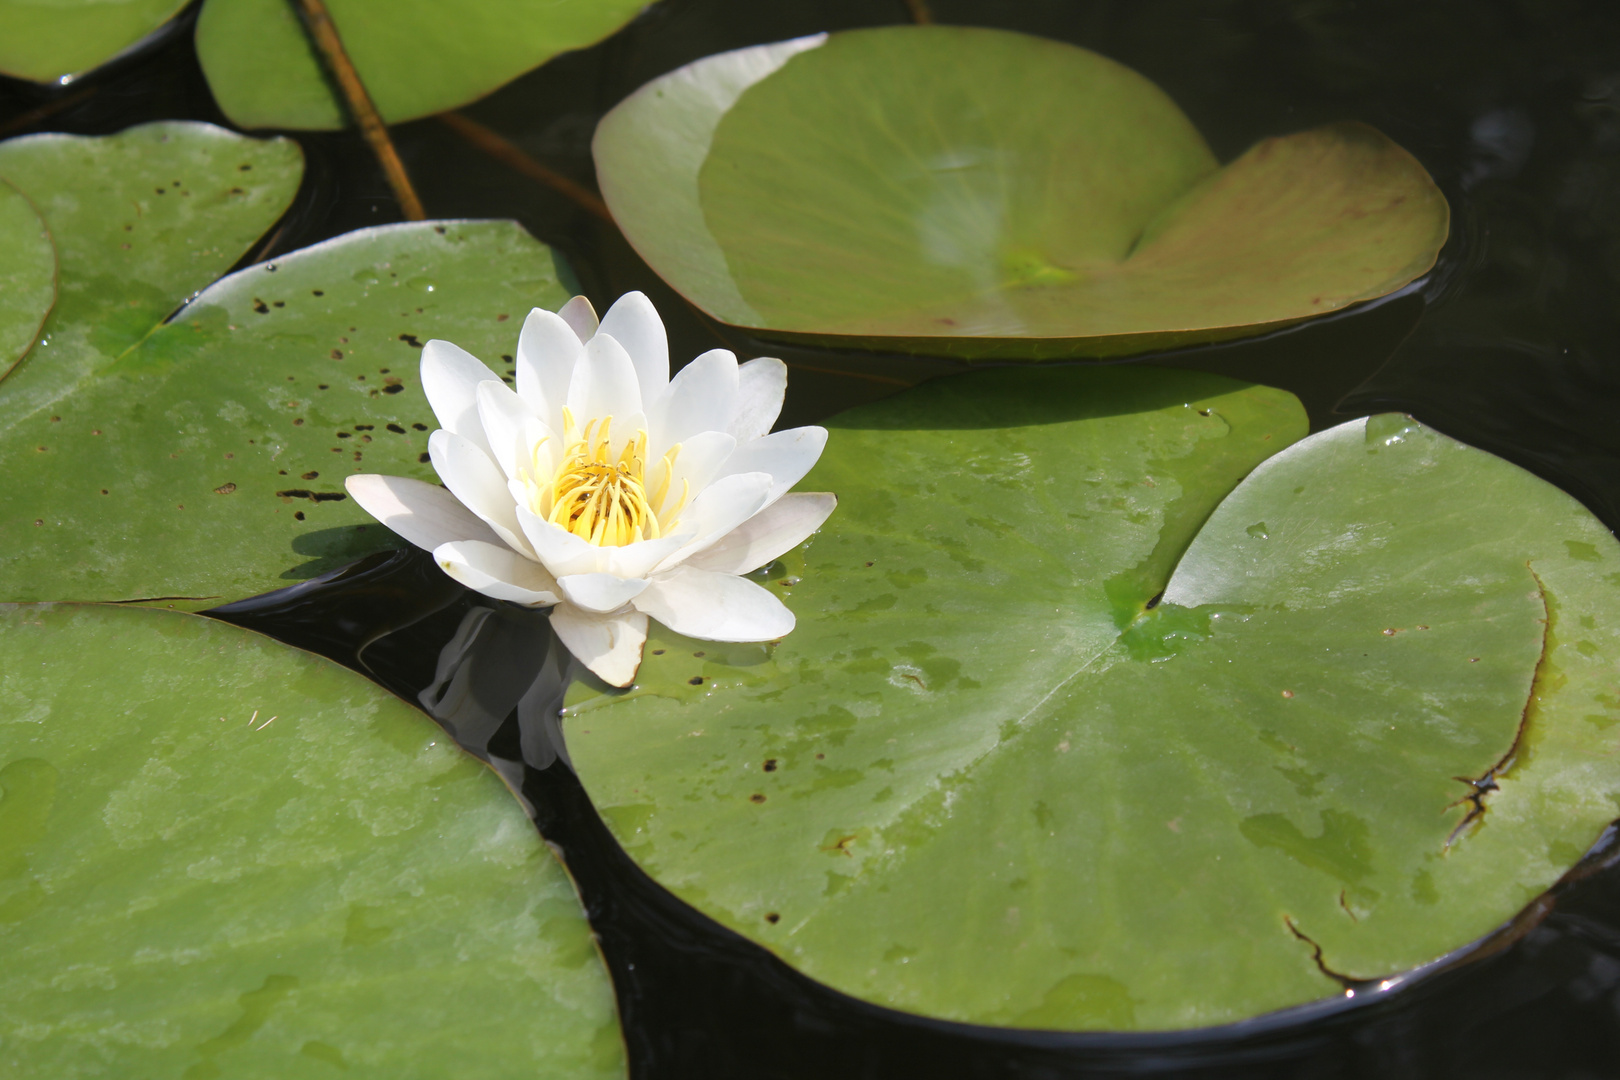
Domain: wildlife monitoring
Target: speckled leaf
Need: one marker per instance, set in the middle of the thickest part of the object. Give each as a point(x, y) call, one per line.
point(981, 193)
point(417, 57)
point(990, 777)
point(141, 220)
point(283, 871)
point(60, 39)
point(208, 461)
point(27, 275)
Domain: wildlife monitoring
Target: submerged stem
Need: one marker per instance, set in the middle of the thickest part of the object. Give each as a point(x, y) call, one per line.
point(510, 154)
point(323, 34)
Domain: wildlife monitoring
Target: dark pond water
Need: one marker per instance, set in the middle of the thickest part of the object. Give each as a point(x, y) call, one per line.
point(1511, 344)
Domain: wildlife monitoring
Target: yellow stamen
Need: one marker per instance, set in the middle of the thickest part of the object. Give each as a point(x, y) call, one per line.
point(595, 495)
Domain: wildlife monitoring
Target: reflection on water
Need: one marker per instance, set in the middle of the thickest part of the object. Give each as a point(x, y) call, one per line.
point(1510, 344)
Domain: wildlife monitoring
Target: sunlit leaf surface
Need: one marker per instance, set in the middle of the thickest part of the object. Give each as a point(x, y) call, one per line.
point(47, 42)
point(27, 275)
point(220, 856)
point(203, 458)
point(993, 777)
point(982, 193)
point(141, 220)
point(416, 57)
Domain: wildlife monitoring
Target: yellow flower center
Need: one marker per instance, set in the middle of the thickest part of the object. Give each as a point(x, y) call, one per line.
point(601, 496)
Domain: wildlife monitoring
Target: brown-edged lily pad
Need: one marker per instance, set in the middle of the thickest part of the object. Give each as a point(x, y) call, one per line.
point(983, 194)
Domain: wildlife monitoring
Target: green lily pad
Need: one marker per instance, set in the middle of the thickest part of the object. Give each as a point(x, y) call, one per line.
point(208, 460)
point(416, 57)
point(62, 39)
point(994, 777)
point(27, 275)
point(282, 863)
point(141, 220)
point(980, 193)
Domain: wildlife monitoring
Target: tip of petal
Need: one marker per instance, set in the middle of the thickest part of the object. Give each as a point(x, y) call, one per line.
point(580, 317)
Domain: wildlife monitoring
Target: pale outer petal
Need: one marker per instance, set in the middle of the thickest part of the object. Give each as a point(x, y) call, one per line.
point(715, 607)
point(769, 534)
point(476, 480)
point(786, 455)
point(719, 508)
point(605, 384)
point(600, 593)
point(580, 317)
point(701, 397)
point(559, 550)
point(450, 378)
point(638, 559)
point(424, 514)
point(761, 387)
point(633, 322)
point(548, 351)
point(497, 571)
point(610, 645)
point(696, 465)
point(507, 421)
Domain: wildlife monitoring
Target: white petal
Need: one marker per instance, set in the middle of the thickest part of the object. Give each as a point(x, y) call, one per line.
point(761, 386)
point(474, 479)
point(580, 317)
point(638, 559)
point(548, 351)
point(600, 593)
point(633, 322)
point(605, 385)
point(610, 645)
point(718, 509)
point(424, 514)
point(774, 531)
point(497, 571)
point(697, 463)
point(450, 378)
point(507, 421)
point(715, 607)
point(561, 551)
point(701, 397)
point(785, 455)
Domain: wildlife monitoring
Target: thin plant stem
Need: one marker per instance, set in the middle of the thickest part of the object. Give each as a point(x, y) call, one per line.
point(510, 154)
point(50, 108)
point(323, 33)
point(919, 12)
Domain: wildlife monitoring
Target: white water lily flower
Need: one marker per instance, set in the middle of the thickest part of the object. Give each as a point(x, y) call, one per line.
point(604, 487)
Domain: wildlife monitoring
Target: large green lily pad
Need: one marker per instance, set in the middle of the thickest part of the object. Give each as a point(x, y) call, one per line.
point(27, 275)
point(203, 458)
point(992, 776)
point(141, 220)
point(57, 40)
point(981, 193)
point(280, 871)
point(416, 57)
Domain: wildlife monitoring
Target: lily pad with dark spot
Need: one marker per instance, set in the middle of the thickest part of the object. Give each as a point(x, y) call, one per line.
point(1108, 708)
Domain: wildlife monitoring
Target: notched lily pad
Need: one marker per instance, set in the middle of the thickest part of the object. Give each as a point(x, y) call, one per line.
point(283, 871)
point(140, 221)
point(416, 57)
point(63, 39)
point(980, 193)
point(1077, 731)
point(27, 275)
point(207, 460)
